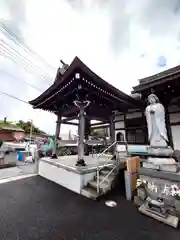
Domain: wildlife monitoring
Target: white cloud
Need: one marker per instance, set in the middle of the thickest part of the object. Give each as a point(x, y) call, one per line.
point(119, 40)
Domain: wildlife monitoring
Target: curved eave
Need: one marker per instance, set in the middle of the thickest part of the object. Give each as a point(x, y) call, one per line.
point(78, 64)
point(52, 89)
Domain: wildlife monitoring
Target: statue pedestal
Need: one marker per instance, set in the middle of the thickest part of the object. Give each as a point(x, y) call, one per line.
point(157, 188)
point(160, 151)
point(159, 173)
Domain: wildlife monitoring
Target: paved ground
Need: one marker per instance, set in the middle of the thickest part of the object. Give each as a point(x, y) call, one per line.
point(22, 169)
point(35, 208)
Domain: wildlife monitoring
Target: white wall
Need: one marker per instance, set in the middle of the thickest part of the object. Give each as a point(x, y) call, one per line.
point(66, 178)
point(133, 115)
point(174, 117)
point(176, 136)
point(119, 125)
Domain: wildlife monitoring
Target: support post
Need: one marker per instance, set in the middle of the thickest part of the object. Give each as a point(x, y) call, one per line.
point(112, 133)
point(169, 132)
point(87, 132)
point(125, 133)
point(58, 127)
point(81, 130)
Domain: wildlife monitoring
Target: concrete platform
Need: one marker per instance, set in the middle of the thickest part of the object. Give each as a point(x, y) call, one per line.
point(64, 171)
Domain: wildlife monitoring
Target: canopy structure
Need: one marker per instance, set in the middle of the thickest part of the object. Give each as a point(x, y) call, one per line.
point(79, 83)
point(78, 91)
point(166, 85)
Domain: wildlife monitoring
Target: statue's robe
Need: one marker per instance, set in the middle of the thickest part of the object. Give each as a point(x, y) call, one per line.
point(156, 125)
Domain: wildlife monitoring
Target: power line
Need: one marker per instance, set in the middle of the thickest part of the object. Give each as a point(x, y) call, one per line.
point(14, 97)
point(29, 84)
point(20, 41)
point(20, 56)
point(8, 54)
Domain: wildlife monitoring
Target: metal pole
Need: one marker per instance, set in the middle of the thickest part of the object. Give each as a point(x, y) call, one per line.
point(31, 129)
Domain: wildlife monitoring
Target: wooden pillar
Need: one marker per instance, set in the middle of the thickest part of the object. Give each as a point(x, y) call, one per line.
point(145, 130)
point(87, 133)
point(112, 133)
point(58, 127)
point(81, 128)
point(126, 133)
point(112, 129)
point(168, 126)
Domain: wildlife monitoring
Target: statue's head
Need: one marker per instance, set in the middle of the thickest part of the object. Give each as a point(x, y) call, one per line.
point(152, 99)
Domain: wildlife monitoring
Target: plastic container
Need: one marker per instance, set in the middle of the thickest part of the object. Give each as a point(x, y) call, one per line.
point(20, 156)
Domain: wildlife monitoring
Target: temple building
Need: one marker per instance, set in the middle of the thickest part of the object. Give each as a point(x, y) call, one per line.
point(78, 93)
point(166, 85)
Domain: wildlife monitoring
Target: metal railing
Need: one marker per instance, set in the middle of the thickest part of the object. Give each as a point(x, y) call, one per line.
point(104, 165)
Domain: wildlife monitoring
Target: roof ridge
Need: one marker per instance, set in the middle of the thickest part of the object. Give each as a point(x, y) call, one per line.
point(161, 74)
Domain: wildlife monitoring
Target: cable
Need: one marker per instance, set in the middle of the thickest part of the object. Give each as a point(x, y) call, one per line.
point(27, 48)
point(15, 62)
point(17, 54)
point(6, 53)
point(11, 76)
point(11, 96)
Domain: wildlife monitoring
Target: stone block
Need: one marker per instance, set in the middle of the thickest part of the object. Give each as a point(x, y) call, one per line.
point(160, 151)
point(150, 165)
point(138, 201)
point(177, 206)
point(160, 161)
point(141, 193)
point(169, 168)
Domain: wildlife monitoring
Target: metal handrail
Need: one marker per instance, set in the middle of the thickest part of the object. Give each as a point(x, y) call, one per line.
point(100, 167)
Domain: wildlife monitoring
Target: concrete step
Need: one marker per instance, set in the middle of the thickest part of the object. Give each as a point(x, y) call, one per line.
point(110, 178)
point(89, 193)
point(105, 172)
point(103, 188)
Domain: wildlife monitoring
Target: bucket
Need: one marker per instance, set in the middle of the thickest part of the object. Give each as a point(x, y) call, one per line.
point(19, 156)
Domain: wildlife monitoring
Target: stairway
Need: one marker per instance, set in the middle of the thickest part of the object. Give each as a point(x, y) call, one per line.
point(90, 191)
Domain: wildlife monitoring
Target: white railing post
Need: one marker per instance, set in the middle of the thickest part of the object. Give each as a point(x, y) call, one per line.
point(99, 168)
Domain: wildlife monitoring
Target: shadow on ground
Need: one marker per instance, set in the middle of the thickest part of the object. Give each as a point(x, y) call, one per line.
point(35, 208)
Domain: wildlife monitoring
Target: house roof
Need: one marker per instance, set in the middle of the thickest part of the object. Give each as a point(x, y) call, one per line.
point(11, 128)
point(64, 86)
point(157, 79)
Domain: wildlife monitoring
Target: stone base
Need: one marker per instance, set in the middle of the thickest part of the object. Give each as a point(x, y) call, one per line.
point(161, 160)
point(169, 219)
point(160, 151)
point(157, 186)
point(163, 167)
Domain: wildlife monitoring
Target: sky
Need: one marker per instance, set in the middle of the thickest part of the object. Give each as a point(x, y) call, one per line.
point(120, 40)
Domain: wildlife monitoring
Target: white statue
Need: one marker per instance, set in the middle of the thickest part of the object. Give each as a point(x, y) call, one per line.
point(155, 116)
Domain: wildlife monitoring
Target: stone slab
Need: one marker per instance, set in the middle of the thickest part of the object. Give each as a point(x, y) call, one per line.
point(163, 151)
point(160, 174)
point(169, 220)
point(164, 167)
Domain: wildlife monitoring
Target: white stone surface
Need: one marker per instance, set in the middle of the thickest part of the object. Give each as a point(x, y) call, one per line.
point(160, 161)
point(66, 178)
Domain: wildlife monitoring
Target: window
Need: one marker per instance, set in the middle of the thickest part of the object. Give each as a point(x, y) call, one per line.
point(136, 136)
point(120, 137)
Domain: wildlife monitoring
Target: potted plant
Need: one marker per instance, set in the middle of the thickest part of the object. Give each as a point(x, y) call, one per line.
point(175, 192)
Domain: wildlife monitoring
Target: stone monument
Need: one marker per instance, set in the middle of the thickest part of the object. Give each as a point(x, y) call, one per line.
point(160, 154)
point(158, 186)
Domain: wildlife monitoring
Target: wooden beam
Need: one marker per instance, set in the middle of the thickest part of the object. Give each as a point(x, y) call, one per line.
point(68, 123)
point(70, 118)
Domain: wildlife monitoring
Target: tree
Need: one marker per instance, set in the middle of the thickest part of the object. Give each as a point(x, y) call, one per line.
point(26, 126)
